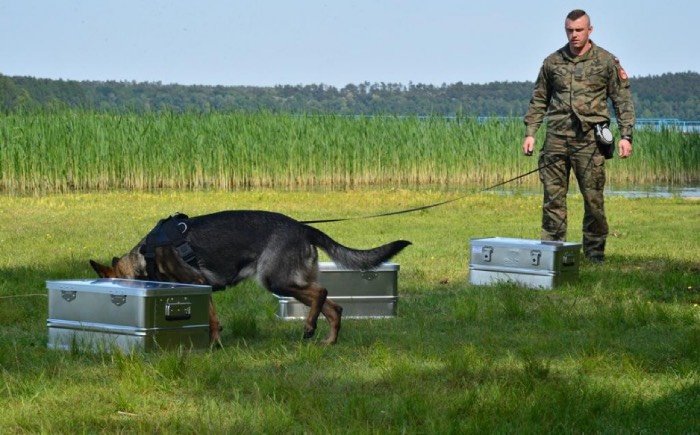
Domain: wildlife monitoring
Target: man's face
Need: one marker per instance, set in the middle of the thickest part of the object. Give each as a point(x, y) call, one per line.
point(577, 32)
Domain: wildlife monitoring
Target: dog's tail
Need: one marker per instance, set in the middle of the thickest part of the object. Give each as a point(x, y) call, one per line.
point(362, 259)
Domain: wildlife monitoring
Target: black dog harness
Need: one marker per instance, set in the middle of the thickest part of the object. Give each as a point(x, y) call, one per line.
point(168, 232)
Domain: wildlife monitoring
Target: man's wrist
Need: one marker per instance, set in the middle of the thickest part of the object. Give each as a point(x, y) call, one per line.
point(627, 137)
point(530, 131)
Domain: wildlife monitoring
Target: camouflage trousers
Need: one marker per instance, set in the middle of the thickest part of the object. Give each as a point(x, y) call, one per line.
point(589, 168)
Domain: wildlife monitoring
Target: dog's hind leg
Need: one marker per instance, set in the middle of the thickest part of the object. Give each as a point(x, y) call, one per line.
point(314, 297)
point(333, 312)
point(318, 296)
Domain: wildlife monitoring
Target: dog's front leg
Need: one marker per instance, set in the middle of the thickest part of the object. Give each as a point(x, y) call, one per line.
point(214, 325)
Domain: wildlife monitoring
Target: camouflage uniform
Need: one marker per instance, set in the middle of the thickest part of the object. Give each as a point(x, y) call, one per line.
point(572, 92)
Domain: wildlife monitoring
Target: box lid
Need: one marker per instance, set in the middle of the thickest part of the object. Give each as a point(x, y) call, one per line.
point(129, 287)
point(331, 266)
point(544, 245)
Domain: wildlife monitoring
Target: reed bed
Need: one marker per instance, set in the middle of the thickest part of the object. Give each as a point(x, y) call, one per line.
point(69, 150)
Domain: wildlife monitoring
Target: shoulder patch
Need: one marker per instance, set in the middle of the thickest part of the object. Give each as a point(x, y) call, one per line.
point(620, 71)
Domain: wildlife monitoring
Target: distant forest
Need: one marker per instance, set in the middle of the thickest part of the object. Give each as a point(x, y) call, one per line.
point(671, 95)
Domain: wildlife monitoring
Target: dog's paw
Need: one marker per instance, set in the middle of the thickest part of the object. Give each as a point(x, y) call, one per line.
point(216, 344)
point(215, 337)
point(329, 341)
point(308, 333)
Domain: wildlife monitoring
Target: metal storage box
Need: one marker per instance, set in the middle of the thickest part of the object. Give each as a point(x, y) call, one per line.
point(101, 314)
point(530, 263)
point(362, 294)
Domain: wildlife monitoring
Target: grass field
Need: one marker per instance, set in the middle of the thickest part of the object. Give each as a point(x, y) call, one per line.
point(66, 151)
point(617, 352)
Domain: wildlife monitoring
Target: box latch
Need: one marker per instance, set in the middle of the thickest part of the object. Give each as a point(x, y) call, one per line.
point(69, 295)
point(178, 310)
point(568, 259)
point(486, 251)
point(118, 300)
point(535, 256)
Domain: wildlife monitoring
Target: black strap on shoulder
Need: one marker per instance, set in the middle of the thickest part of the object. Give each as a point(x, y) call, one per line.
point(168, 232)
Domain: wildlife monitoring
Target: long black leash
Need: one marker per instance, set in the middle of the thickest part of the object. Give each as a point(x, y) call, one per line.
point(425, 207)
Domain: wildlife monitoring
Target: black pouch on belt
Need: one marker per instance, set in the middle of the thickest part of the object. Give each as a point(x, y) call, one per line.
point(605, 140)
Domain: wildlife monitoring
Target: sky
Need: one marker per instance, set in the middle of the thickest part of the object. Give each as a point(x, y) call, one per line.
point(331, 42)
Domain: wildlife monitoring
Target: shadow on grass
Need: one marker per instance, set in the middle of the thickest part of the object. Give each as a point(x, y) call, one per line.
point(660, 279)
point(457, 358)
point(626, 292)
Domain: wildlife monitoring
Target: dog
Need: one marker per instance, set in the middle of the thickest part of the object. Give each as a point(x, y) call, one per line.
point(229, 246)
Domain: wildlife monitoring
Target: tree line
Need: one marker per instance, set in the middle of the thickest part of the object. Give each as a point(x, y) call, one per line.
point(670, 95)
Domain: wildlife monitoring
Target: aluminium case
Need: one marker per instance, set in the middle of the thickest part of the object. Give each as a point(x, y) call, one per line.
point(529, 263)
point(103, 314)
point(362, 294)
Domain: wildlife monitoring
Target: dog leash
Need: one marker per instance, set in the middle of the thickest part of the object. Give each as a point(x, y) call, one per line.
point(425, 207)
point(23, 296)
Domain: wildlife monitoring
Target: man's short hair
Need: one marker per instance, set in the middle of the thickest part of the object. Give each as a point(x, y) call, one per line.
point(576, 14)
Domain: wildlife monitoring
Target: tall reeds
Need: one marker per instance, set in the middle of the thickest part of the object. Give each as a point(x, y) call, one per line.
point(74, 150)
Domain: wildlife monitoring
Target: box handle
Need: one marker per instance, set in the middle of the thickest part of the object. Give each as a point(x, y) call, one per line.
point(178, 310)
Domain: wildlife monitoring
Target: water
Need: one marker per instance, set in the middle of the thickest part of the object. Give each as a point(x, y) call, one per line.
point(691, 192)
point(627, 191)
point(657, 192)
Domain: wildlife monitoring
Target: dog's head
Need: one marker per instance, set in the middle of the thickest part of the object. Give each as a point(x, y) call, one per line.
point(128, 267)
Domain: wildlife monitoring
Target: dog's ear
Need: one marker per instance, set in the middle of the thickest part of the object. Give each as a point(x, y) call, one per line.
point(102, 271)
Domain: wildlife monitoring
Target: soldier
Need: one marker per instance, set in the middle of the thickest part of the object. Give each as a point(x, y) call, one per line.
point(572, 91)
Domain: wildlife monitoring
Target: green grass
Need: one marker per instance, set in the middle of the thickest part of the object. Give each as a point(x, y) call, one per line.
point(67, 151)
point(618, 351)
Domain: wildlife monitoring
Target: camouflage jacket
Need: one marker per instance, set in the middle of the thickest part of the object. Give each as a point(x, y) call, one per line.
point(572, 92)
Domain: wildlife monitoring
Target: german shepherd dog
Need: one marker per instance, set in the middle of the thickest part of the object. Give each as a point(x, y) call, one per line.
point(279, 251)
